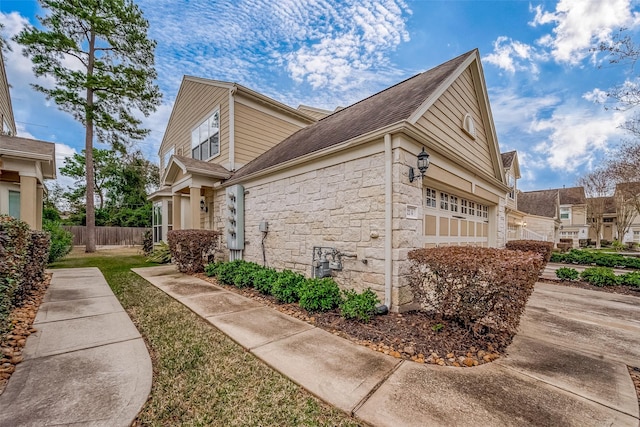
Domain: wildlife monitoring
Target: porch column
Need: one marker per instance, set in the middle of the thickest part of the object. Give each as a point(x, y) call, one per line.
point(28, 196)
point(177, 217)
point(194, 195)
point(39, 199)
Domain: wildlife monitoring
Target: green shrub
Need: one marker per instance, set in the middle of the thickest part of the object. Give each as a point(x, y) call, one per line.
point(603, 259)
point(160, 254)
point(287, 286)
point(617, 246)
point(264, 279)
point(599, 276)
point(320, 294)
point(359, 306)
point(226, 272)
point(211, 269)
point(630, 279)
point(61, 240)
point(566, 273)
point(244, 274)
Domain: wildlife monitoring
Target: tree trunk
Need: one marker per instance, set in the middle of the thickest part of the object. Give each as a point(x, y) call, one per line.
point(90, 206)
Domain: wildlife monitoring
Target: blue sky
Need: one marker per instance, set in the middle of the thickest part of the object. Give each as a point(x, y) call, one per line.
point(545, 86)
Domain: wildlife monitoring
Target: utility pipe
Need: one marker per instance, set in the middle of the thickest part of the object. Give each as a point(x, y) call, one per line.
point(388, 220)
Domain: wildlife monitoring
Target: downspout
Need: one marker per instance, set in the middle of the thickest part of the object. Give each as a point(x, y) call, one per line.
point(232, 130)
point(388, 223)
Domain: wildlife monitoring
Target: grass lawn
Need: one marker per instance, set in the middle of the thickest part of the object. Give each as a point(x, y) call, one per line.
point(201, 377)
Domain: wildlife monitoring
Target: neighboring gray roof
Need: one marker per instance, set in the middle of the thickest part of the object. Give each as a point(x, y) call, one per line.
point(628, 188)
point(608, 203)
point(572, 196)
point(541, 203)
point(507, 158)
point(390, 106)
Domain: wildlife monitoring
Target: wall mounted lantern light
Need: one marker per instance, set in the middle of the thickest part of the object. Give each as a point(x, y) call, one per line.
point(423, 165)
point(203, 207)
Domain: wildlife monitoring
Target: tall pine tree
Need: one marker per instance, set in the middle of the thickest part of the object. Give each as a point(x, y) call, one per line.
point(102, 61)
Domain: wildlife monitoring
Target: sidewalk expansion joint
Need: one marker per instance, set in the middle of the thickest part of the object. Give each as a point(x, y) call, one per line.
point(293, 334)
point(375, 388)
point(85, 348)
point(88, 316)
point(571, 392)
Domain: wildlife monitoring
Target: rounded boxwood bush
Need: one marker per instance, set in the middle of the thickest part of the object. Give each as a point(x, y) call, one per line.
point(630, 279)
point(319, 294)
point(287, 286)
point(599, 276)
point(566, 273)
point(359, 306)
point(264, 279)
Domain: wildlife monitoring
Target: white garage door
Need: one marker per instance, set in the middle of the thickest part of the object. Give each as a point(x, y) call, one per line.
point(453, 220)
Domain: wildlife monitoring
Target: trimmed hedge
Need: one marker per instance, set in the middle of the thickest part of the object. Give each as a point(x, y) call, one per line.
point(484, 289)
point(599, 276)
point(545, 249)
point(191, 249)
point(601, 259)
point(288, 287)
point(566, 273)
point(23, 258)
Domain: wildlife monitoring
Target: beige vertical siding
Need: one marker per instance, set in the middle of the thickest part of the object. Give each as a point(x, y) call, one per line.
point(6, 112)
point(257, 131)
point(444, 122)
point(195, 102)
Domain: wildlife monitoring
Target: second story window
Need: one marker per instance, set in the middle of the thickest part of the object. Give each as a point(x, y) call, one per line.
point(205, 138)
point(565, 213)
point(511, 182)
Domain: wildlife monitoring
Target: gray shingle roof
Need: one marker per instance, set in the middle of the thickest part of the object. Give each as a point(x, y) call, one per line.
point(390, 106)
point(541, 203)
point(199, 166)
point(572, 196)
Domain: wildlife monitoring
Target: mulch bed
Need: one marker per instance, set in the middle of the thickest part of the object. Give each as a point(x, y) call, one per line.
point(625, 290)
point(416, 336)
point(22, 318)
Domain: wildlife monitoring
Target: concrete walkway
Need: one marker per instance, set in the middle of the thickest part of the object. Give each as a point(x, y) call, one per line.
point(87, 363)
point(567, 366)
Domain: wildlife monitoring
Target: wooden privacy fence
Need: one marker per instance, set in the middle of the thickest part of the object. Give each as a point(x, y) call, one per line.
point(108, 235)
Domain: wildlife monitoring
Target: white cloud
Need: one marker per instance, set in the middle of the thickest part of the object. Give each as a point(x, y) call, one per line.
point(331, 45)
point(597, 96)
point(512, 55)
point(514, 113)
point(576, 136)
point(62, 152)
point(580, 25)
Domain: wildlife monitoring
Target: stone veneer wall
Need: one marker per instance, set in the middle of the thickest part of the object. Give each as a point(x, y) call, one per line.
point(339, 206)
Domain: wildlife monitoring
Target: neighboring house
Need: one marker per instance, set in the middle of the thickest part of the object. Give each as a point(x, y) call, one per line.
point(541, 214)
point(336, 196)
point(24, 165)
point(627, 195)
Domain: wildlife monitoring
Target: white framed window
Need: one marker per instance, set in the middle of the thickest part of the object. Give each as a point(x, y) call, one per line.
point(430, 198)
point(157, 222)
point(472, 208)
point(205, 138)
point(511, 182)
point(464, 206)
point(485, 212)
point(454, 203)
point(565, 213)
point(444, 201)
point(14, 204)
